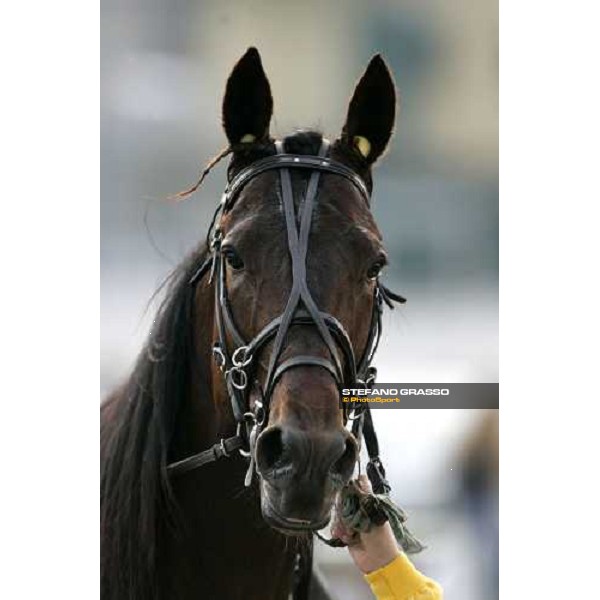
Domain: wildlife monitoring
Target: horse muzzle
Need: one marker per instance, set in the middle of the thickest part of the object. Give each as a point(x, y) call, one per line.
point(300, 472)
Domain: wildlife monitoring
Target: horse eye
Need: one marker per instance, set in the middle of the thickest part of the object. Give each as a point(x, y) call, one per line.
point(375, 269)
point(233, 259)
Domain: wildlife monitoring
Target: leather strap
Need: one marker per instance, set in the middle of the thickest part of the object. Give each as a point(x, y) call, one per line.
point(283, 161)
point(202, 270)
point(298, 248)
point(223, 449)
point(302, 360)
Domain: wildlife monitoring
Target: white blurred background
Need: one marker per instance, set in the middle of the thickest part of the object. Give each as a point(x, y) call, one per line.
point(164, 66)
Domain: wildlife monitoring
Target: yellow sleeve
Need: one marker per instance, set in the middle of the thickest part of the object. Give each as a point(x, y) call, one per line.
point(401, 581)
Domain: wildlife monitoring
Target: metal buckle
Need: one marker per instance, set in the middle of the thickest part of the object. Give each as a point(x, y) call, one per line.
point(219, 356)
point(377, 476)
point(239, 357)
point(249, 421)
point(259, 412)
point(215, 241)
point(371, 376)
point(356, 413)
point(223, 449)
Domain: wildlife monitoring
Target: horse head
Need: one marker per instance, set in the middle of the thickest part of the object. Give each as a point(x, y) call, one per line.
point(304, 285)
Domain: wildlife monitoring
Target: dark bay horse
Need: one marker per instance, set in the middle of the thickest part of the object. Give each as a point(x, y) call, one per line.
point(203, 533)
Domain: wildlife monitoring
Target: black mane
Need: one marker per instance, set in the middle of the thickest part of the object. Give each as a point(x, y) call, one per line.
point(138, 423)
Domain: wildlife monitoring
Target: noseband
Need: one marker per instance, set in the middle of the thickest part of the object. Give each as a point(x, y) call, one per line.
point(238, 364)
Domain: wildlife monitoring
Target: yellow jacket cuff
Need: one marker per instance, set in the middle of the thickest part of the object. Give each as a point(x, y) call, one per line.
point(399, 580)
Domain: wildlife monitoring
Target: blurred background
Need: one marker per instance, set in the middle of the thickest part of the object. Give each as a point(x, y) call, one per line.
point(164, 67)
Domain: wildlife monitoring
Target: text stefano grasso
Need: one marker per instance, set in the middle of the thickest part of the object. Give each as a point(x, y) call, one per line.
point(395, 392)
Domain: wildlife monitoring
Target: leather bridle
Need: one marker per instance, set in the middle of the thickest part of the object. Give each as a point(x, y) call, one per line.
point(238, 364)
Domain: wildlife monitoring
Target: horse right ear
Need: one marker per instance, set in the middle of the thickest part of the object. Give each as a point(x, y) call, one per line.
point(371, 112)
point(247, 104)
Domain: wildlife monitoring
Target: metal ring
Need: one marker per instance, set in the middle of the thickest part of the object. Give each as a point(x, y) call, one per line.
point(249, 416)
point(240, 384)
point(239, 358)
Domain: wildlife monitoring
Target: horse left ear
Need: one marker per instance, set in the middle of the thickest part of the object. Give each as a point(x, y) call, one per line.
point(371, 113)
point(247, 104)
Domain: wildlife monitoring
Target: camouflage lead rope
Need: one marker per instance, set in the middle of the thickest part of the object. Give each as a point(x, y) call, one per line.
point(360, 511)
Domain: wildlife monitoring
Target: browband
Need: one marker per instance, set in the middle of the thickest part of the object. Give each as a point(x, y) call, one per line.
point(295, 161)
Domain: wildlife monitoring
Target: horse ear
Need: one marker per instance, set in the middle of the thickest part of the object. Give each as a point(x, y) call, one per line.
point(247, 104)
point(372, 110)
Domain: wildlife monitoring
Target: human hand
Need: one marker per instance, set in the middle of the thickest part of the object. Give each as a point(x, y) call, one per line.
point(369, 551)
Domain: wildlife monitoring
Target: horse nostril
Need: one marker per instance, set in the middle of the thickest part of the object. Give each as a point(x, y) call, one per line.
point(269, 448)
point(344, 465)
